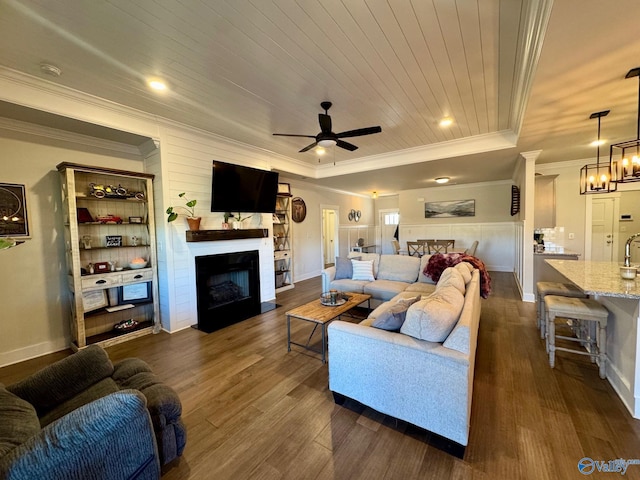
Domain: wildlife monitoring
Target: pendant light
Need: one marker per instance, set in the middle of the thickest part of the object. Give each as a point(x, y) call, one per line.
point(624, 157)
point(596, 178)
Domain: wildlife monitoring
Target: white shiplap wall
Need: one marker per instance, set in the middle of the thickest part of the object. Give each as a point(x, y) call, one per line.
point(186, 165)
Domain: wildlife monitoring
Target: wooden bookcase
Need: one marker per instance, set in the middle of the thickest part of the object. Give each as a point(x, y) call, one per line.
point(108, 221)
point(283, 243)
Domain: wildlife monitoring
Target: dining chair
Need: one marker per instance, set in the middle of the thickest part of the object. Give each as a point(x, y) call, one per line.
point(439, 246)
point(415, 249)
point(472, 249)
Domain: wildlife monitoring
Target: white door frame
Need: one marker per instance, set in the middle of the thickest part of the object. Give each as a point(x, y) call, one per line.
point(336, 239)
point(381, 213)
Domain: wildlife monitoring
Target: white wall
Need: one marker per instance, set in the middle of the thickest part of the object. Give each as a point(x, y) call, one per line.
point(35, 307)
point(492, 224)
point(307, 235)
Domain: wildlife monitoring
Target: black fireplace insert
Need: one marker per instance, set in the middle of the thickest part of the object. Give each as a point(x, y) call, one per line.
point(228, 289)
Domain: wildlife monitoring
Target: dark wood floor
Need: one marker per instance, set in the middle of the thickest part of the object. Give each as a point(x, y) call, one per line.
point(255, 411)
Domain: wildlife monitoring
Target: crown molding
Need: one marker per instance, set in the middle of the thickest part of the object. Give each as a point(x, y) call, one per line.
point(32, 129)
point(452, 148)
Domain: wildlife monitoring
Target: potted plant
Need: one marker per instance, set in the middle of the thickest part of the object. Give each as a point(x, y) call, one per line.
point(192, 220)
point(225, 224)
point(237, 221)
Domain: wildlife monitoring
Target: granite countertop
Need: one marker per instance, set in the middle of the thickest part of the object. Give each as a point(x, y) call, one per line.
point(598, 278)
point(558, 251)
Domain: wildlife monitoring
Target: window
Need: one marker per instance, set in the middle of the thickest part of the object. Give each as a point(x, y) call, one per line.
point(391, 218)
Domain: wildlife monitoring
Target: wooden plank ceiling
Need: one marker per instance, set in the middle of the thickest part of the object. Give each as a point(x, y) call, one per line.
point(246, 69)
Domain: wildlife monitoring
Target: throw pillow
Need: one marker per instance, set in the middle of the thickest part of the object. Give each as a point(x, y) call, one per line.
point(392, 318)
point(452, 277)
point(344, 268)
point(362, 270)
point(464, 271)
point(433, 319)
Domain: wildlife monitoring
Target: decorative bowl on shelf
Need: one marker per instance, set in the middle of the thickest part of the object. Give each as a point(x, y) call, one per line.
point(125, 325)
point(137, 263)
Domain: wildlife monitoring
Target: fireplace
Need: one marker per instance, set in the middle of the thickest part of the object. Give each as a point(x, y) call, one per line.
point(228, 289)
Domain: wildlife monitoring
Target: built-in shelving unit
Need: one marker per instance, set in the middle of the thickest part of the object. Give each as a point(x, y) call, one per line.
point(282, 243)
point(108, 219)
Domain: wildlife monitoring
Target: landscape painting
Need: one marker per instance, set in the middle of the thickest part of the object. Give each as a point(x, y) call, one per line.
point(453, 208)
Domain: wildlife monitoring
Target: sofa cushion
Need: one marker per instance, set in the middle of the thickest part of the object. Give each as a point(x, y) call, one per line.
point(344, 268)
point(18, 421)
point(384, 289)
point(401, 268)
point(393, 317)
point(362, 270)
point(433, 319)
point(422, 278)
point(464, 271)
point(98, 390)
point(348, 285)
point(422, 288)
point(64, 379)
point(452, 277)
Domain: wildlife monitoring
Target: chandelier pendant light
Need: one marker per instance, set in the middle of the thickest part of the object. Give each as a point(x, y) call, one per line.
point(624, 157)
point(596, 177)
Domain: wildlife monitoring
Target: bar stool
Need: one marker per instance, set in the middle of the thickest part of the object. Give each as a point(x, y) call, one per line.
point(553, 288)
point(584, 311)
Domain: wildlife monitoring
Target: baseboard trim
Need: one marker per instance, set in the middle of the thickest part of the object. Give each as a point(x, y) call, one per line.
point(33, 351)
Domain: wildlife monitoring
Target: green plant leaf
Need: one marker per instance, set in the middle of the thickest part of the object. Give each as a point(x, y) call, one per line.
point(172, 217)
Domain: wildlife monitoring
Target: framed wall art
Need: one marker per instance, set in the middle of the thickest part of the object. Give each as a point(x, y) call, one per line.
point(13, 210)
point(113, 241)
point(453, 208)
point(135, 293)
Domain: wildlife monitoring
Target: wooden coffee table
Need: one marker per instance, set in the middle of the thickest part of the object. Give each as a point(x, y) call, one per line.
point(321, 315)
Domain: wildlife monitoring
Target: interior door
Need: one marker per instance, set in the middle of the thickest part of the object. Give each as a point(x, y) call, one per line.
point(329, 236)
point(602, 229)
point(388, 224)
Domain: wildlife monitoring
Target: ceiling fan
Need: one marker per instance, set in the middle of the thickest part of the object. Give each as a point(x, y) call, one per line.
point(326, 138)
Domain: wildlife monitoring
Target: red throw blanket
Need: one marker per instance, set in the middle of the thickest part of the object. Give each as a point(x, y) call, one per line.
point(438, 262)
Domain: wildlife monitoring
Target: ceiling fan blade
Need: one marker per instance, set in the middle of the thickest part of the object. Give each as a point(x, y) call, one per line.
point(346, 145)
point(325, 122)
point(308, 147)
point(359, 132)
point(293, 135)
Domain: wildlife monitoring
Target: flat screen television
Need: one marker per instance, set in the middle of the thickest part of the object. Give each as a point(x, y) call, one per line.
point(235, 188)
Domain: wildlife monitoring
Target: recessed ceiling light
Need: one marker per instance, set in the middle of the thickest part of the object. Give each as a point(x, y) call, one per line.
point(50, 69)
point(157, 85)
point(446, 122)
point(595, 143)
point(442, 179)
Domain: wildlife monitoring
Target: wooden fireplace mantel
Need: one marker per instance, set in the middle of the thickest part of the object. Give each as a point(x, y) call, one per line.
point(220, 235)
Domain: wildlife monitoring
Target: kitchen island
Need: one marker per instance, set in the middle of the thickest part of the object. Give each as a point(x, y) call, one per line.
point(602, 282)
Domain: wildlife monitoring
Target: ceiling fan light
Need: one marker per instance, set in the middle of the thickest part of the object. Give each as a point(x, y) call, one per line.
point(442, 179)
point(320, 150)
point(327, 142)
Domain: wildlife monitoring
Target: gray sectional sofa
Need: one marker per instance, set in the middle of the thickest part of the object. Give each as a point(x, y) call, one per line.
point(393, 274)
point(422, 374)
